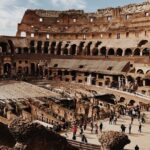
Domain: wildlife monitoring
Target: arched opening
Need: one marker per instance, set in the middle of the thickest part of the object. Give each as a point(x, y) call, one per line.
point(98, 43)
point(107, 81)
point(53, 47)
point(7, 69)
point(119, 52)
point(88, 48)
point(140, 71)
point(147, 82)
point(95, 51)
point(121, 100)
point(65, 50)
point(103, 51)
point(26, 70)
point(58, 49)
point(39, 47)
point(32, 48)
point(12, 48)
point(137, 52)
point(111, 51)
point(73, 49)
point(131, 102)
point(148, 72)
point(4, 47)
point(46, 45)
point(20, 70)
point(19, 50)
point(80, 48)
point(128, 52)
point(139, 81)
point(33, 69)
point(26, 50)
point(142, 42)
point(145, 52)
point(130, 79)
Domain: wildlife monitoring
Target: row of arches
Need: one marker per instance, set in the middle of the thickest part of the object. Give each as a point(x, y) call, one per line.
point(68, 48)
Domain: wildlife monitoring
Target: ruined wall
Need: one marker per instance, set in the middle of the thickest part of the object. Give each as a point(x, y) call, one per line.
point(121, 22)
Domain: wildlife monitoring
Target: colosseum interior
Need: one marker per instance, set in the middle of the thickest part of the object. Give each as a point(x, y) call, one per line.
point(107, 50)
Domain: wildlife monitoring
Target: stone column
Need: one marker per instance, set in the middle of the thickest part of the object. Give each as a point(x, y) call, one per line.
point(89, 80)
point(143, 82)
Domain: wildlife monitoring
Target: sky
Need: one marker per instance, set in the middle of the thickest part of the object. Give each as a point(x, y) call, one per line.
point(11, 11)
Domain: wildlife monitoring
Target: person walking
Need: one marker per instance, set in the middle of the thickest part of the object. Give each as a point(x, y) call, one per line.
point(130, 127)
point(101, 127)
point(136, 147)
point(140, 128)
point(123, 128)
point(83, 138)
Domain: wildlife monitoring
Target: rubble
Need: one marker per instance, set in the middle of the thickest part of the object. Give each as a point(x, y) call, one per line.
point(112, 140)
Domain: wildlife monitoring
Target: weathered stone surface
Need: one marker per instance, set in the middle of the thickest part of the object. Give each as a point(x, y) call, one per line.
point(112, 140)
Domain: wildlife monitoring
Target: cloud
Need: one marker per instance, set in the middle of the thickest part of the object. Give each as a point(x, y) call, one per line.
point(11, 11)
point(10, 15)
point(67, 4)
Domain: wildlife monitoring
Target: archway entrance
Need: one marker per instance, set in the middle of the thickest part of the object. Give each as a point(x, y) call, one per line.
point(7, 69)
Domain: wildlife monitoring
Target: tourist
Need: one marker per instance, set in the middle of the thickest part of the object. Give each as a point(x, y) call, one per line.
point(101, 127)
point(136, 147)
point(115, 119)
point(91, 126)
point(74, 129)
point(132, 119)
point(123, 128)
point(83, 138)
point(96, 128)
point(85, 125)
point(130, 126)
point(81, 131)
point(140, 127)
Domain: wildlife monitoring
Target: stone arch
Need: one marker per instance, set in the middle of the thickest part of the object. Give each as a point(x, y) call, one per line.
point(145, 52)
point(12, 47)
point(80, 48)
point(131, 102)
point(128, 52)
point(65, 50)
point(140, 71)
point(20, 70)
point(137, 52)
point(58, 49)
point(39, 47)
point(121, 100)
point(95, 51)
point(52, 49)
point(4, 47)
point(111, 51)
point(119, 52)
point(19, 50)
point(142, 42)
point(25, 50)
point(148, 71)
point(73, 49)
point(46, 46)
point(103, 51)
point(7, 69)
point(130, 79)
point(32, 48)
point(88, 48)
point(139, 81)
point(33, 69)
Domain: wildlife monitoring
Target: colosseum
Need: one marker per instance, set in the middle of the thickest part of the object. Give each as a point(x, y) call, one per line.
point(72, 54)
